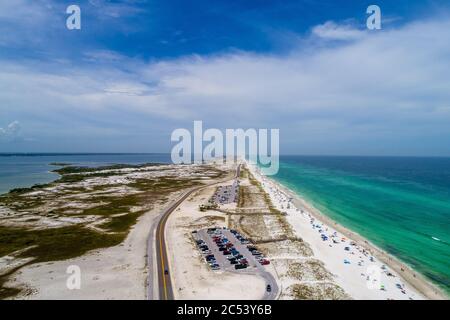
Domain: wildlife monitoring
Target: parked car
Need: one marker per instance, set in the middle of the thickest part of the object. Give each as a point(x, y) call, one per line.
point(240, 266)
point(268, 288)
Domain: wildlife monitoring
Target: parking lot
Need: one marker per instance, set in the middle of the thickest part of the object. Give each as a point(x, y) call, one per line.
point(226, 194)
point(227, 250)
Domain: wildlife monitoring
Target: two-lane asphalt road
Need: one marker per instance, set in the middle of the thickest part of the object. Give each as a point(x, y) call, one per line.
point(165, 284)
point(165, 291)
point(164, 279)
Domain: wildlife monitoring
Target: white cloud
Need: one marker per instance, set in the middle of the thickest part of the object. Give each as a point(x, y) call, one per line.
point(35, 24)
point(116, 9)
point(24, 22)
point(333, 31)
point(11, 131)
point(103, 56)
point(389, 85)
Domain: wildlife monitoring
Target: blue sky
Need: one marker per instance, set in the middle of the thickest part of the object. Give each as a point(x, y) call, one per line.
point(139, 69)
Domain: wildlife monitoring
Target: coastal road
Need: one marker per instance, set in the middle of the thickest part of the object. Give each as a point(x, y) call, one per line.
point(165, 290)
point(164, 280)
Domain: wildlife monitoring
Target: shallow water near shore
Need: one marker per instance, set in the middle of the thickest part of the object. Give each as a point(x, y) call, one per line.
point(401, 205)
point(26, 170)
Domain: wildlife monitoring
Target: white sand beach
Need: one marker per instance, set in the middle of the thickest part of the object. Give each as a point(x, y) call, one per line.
point(360, 268)
point(311, 257)
point(114, 273)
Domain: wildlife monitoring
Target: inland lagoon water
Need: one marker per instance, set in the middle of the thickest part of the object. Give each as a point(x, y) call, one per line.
point(26, 170)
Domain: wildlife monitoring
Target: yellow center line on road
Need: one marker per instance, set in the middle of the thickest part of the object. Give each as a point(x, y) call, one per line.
point(162, 265)
point(162, 227)
point(161, 251)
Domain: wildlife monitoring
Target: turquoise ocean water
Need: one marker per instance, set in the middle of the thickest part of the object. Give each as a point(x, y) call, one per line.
point(400, 204)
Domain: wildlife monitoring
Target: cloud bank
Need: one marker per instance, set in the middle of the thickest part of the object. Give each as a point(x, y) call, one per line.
point(383, 92)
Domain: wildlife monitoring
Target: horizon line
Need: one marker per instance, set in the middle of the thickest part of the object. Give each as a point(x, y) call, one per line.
point(168, 153)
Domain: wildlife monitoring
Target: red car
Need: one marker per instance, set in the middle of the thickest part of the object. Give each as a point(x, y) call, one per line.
point(264, 262)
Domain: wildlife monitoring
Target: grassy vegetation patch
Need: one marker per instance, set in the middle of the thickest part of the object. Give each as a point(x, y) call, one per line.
point(54, 244)
point(50, 245)
point(310, 270)
point(242, 197)
point(253, 226)
point(287, 247)
point(114, 205)
point(78, 169)
point(317, 291)
point(7, 292)
point(20, 191)
point(121, 223)
point(119, 205)
point(162, 184)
